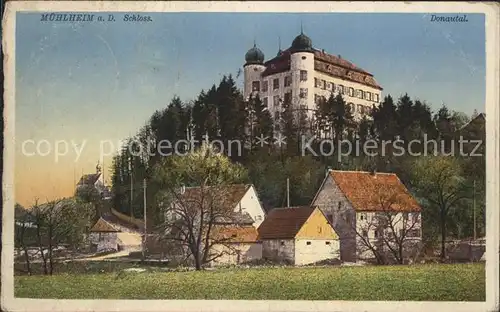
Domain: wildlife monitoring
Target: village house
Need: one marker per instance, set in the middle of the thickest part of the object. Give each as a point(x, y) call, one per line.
point(368, 210)
point(234, 230)
point(116, 231)
point(298, 235)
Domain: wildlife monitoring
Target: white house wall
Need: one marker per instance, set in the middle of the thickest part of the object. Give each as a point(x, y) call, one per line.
point(251, 205)
point(247, 252)
point(317, 250)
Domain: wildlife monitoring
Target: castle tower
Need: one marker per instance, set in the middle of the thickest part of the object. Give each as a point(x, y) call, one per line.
point(302, 70)
point(253, 68)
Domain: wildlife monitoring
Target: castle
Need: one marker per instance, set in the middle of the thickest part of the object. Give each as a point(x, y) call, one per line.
point(305, 75)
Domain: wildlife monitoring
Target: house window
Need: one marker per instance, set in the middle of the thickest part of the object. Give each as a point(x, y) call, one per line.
point(319, 229)
point(265, 101)
point(375, 233)
point(351, 92)
point(376, 98)
point(327, 243)
point(308, 243)
point(316, 99)
point(361, 109)
point(414, 233)
point(255, 85)
point(359, 93)
point(331, 86)
point(288, 97)
point(303, 92)
point(282, 243)
point(276, 100)
point(323, 82)
point(316, 83)
point(361, 216)
point(368, 96)
point(265, 86)
point(288, 81)
point(303, 75)
point(276, 84)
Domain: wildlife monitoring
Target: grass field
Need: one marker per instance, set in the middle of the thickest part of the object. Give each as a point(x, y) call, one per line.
point(444, 282)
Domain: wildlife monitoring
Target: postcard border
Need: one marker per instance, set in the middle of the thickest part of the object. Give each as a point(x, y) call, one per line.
point(492, 25)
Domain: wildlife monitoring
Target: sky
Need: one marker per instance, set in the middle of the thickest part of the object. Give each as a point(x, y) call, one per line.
point(87, 83)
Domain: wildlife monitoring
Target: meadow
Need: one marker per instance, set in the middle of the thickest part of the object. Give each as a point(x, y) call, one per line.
point(428, 282)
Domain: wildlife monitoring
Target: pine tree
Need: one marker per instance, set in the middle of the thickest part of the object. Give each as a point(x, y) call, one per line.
point(342, 119)
point(385, 120)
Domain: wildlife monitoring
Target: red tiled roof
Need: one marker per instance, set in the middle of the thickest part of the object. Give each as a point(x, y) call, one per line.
point(284, 222)
point(230, 195)
point(369, 191)
point(327, 63)
point(235, 234)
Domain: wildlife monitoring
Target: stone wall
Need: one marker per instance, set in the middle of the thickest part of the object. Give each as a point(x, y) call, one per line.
point(279, 250)
point(340, 213)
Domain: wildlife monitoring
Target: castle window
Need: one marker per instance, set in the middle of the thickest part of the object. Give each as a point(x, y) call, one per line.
point(255, 85)
point(276, 84)
point(352, 107)
point(288, 81)
point(303, 75)
point(351, 92)
point(303, 92)
point(265, 101)
point(340, 89)
point(264, 86)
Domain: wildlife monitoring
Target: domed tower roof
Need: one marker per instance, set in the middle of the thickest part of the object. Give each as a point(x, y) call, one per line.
point(302, 43)
point(254, 56)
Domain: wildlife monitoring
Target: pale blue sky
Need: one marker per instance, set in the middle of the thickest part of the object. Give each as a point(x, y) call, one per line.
point(103, 81)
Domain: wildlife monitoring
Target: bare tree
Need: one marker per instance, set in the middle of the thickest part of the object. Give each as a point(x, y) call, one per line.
point(195, 218)
point(395, 223)
point(57, 222)
point(23, 238)
point(192, 214)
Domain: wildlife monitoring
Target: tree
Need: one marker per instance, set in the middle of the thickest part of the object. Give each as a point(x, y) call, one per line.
point(391, 232)
point(341, 118)
point(438, 180)
point(385, 120)
point(57, 222)
point(189, 220)
point(24, 236)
